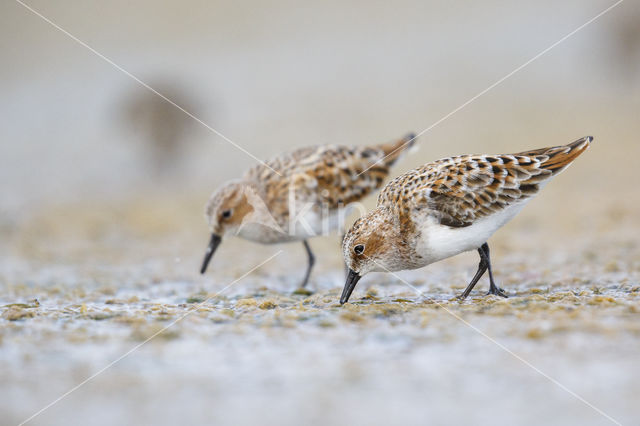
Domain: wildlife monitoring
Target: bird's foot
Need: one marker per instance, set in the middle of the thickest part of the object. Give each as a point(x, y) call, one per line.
point(497, 291)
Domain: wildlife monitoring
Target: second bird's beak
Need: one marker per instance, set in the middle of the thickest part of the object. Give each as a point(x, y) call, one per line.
point(213, 245)
point(352, 280)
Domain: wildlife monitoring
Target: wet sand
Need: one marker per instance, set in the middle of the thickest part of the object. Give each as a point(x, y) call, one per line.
point(80, 290)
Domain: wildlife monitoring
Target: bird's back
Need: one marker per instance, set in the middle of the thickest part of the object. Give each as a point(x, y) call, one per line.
point(459, 190)
point(332, 175)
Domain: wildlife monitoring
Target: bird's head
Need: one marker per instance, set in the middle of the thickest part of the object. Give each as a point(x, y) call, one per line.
point(225, 212)
point(373, 244)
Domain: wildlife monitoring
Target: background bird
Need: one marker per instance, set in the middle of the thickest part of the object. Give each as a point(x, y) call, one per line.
point(299, 195)
point(448, 207)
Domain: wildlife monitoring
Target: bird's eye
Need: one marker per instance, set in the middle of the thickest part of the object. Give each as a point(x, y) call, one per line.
point(226, 214)
point(359, 249)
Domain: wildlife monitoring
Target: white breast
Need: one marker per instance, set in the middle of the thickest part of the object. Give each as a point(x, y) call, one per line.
point(437, 242)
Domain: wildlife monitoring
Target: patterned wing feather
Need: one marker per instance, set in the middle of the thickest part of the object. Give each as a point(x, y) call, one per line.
point(332, 174)
point(460, 190)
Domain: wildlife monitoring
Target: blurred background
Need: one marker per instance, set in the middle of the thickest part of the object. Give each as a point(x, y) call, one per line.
point(104, 183)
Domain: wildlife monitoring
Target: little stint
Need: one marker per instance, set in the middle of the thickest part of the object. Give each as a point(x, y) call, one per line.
point(299, 195)
point(448, 207)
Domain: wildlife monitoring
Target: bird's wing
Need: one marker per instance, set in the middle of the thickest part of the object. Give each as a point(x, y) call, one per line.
point(459, 190)
point(332, 174)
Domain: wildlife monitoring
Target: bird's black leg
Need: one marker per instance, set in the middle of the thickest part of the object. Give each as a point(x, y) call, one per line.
point(482, 267)
point(312, 260)
point(493, 289)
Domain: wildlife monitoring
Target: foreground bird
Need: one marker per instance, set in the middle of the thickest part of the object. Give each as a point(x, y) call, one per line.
point(448, 207)
point(299, 195)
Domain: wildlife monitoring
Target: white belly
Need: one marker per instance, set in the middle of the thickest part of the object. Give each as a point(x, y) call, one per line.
point(306, 223)
point(439, 242)
point(318, 222)
point(311, 224)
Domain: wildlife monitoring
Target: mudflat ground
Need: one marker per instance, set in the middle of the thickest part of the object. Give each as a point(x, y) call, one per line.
point(116, 287)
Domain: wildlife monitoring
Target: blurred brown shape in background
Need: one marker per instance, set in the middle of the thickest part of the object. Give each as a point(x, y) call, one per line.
point(625, 46)
point(164, 129)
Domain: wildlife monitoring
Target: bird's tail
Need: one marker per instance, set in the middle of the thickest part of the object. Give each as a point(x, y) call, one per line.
point(394, 150)
point(559, 157)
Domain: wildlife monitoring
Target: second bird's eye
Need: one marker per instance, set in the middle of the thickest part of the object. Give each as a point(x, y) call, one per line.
point(226, 214)
point(359, 249)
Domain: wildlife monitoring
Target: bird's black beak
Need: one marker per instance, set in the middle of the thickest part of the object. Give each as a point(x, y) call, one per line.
point(213, 245)
point(352, 280)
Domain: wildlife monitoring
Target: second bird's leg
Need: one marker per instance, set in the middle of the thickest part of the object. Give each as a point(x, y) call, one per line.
point(482, 267)
point(484, 254)
point(312, 260)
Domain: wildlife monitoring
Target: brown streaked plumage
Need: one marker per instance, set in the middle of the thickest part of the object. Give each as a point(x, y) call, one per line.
point(328, 174)
point(298, 195)
point(450, 206)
